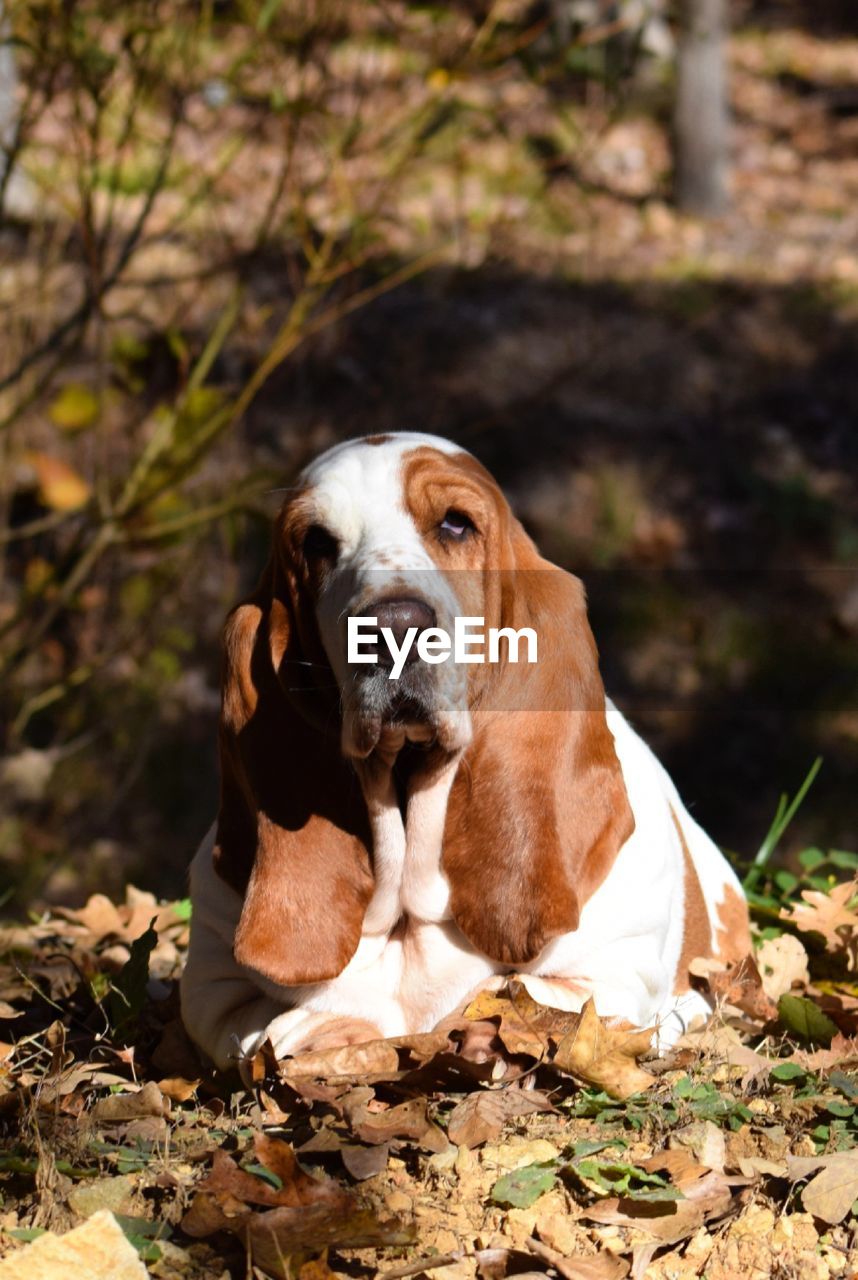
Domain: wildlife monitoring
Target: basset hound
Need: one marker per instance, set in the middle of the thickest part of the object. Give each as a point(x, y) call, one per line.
point(384, 847)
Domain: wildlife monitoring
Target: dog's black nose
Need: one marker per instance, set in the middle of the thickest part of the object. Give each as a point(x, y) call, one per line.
point(400, 616)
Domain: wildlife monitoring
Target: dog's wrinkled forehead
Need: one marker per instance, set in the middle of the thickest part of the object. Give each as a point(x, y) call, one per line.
point(356, 490)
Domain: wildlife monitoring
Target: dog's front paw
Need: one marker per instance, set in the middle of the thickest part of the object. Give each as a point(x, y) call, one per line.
point(333, 1031)
point(300, 1031)
point(287, 1030)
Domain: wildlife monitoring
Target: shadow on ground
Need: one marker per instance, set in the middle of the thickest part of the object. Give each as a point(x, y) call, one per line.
point(689, 448)
point(823, 18)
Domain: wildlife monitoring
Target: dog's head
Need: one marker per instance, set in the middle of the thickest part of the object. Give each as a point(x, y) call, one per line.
point(388, 541)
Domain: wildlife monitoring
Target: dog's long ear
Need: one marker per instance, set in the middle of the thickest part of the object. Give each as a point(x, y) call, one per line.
point(539, 810)
point(292, 832)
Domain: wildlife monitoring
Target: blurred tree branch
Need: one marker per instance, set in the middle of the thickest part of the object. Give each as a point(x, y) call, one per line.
point(218, 187)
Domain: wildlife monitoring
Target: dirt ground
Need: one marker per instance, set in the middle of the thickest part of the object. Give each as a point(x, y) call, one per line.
point(520, 1139)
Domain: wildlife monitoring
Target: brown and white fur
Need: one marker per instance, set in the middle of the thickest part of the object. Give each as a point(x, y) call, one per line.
point(384, 849)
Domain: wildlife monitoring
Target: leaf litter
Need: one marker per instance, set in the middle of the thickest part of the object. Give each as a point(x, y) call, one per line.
point(515, 1138)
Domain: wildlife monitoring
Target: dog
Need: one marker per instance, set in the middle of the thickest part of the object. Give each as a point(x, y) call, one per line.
point(387, 846)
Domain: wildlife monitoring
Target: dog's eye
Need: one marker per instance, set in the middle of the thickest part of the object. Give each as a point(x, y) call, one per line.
point(319, 544)
point(456, 525)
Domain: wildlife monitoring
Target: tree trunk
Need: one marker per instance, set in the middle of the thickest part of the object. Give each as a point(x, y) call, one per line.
point(8, 91)
point(701, 117)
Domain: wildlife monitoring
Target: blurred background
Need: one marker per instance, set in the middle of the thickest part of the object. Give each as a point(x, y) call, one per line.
point(610, 247)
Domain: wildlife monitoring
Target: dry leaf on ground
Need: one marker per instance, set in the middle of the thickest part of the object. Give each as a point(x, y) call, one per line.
point(480, 1116)
point(782, 963)
point(706, 1198)
point(524, 1025)
point(842, 1052)
point(827, 914)
point(303, 1215)
point(121, 1107)
point(228, 1190)
point(603, 1266)
point(718, 1042)
point(178, 1089)
point(738, 985)
point(831, 1194)
point(408, 1121)
point(605, 1056)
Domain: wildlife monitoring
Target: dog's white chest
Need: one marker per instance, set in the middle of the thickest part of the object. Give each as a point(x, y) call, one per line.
point(407, 859)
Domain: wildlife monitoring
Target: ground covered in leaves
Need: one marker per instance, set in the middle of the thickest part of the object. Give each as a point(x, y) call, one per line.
point(519, 1139)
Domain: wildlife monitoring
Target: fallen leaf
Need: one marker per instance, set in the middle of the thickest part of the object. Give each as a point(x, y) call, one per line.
point(605, 1056)
point(316, 1269)
point(177, 1089)
point(827, 914)
point(602, 1267)
point(831, 1194)
point(408, 1121)
point(129, 989)
point(738, 985)
point(99, 917)
point(843, 1052)
point(121, 1107)
point(424, 1045)
point(151, 1130)
point(706, 1199)
point(272, 1239)
point(518, 1033)
point(720, 1042)
point(224, 1196)
point(85, 1073)
point(706, 1141)
point(449, 1073)
point(480, 1117)
point(683, 1168)
point(364, 1162)
point(296, 1186)
point(750, 1166)
point(357, 1101)
point(302, 1215)
point(803, 1166)
point(361, 1161)
point(782, 963)
point(310, 1090)
point(604, 1177)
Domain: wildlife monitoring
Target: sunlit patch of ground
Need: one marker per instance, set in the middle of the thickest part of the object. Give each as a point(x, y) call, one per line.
point(549, 1142)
